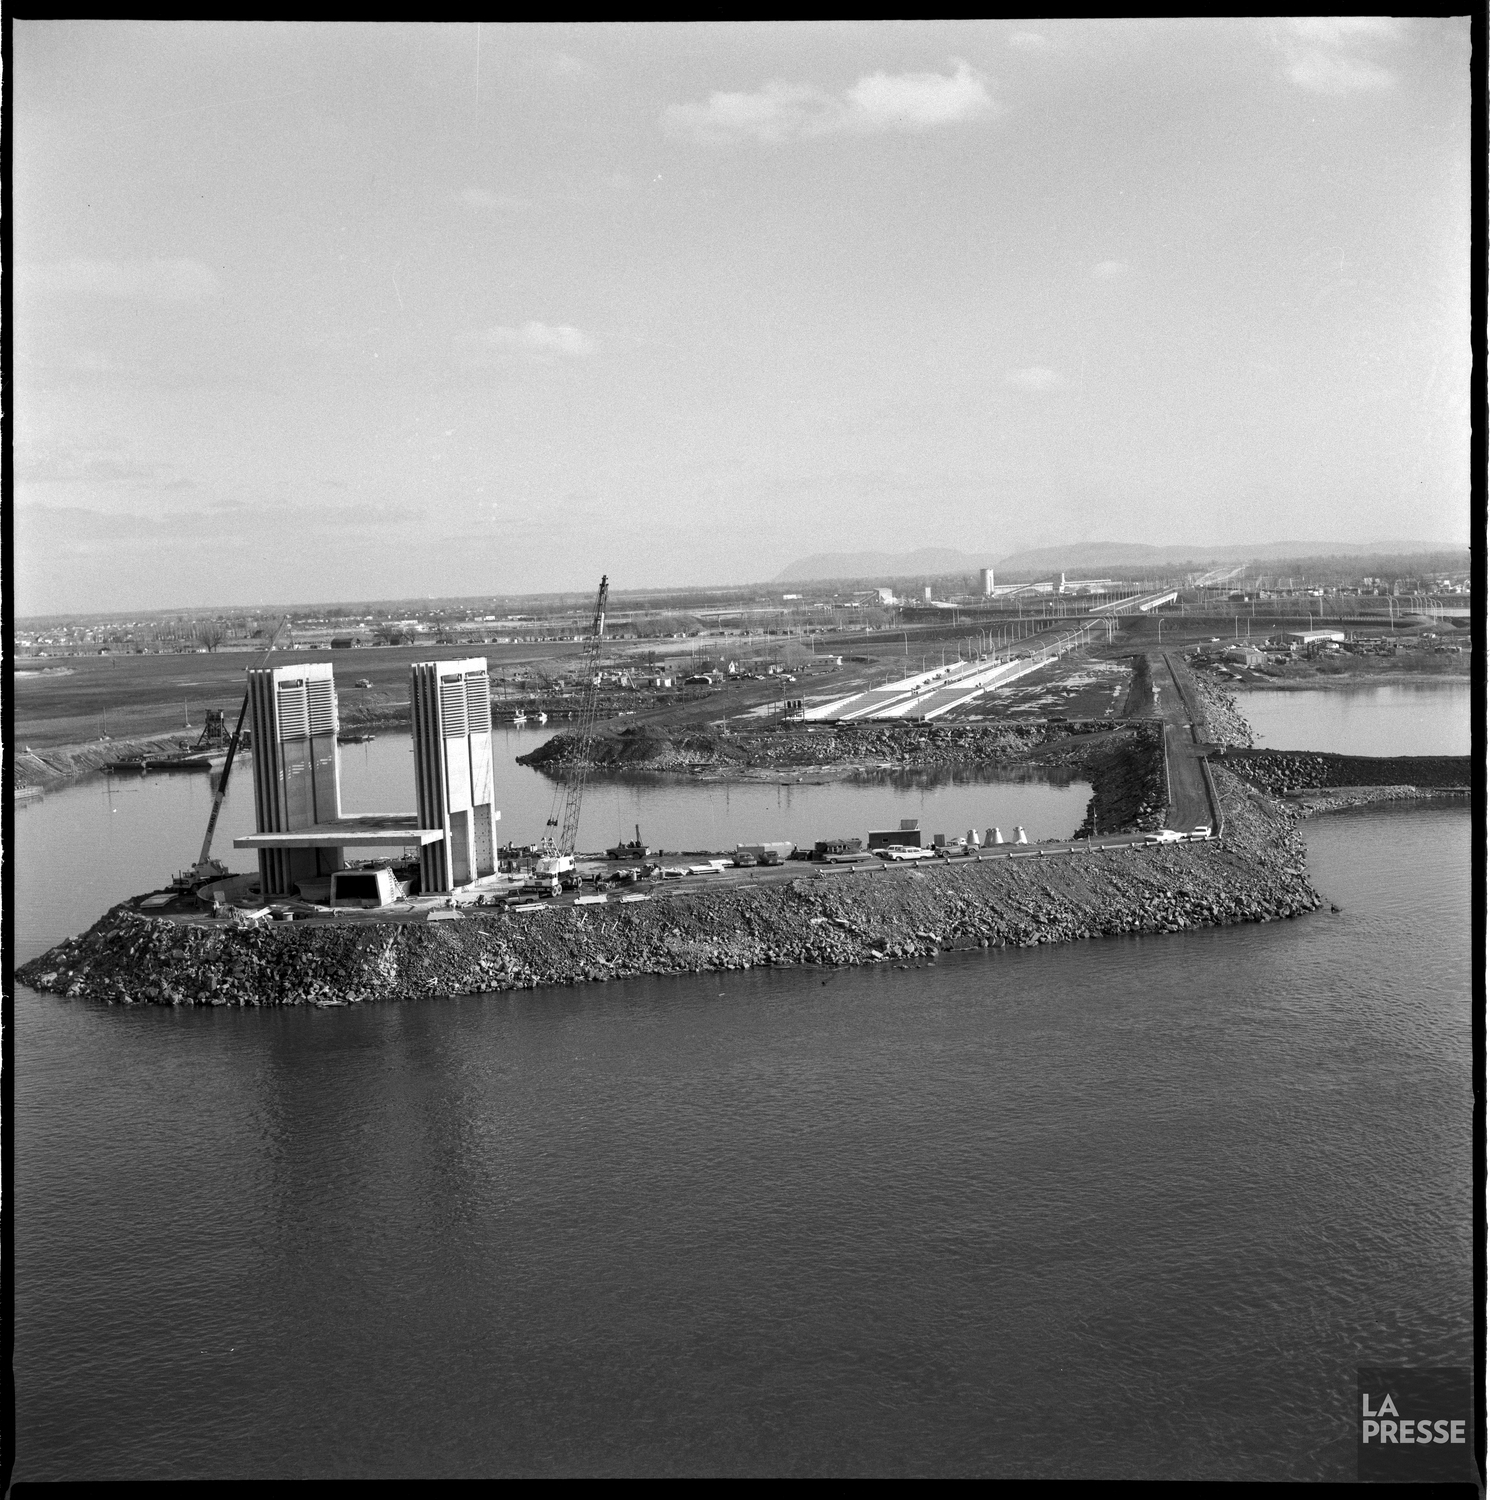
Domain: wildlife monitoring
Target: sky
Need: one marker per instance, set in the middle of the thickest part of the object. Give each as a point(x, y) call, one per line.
point(337, 312)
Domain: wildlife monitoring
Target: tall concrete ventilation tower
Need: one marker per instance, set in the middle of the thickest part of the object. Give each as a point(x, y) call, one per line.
point(986, 580)
point(451, 703)
point(297, 768)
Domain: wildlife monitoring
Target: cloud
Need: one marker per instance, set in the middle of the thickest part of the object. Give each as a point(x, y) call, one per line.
point(141, 280)
point(1106, 270)
point(1323, 53)
point(539, 340)
point(877, 103)
point(1035, 378)
point(483, 200)
point(1030, 41)
point(69, 463)
point(566, 65)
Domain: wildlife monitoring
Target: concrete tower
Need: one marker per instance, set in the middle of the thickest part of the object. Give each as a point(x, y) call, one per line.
point(451, 703)
point(297, 768)
point(985, 577)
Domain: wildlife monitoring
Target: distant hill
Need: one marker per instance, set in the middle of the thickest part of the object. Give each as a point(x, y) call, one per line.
point(934, 562)
point(1089, 555)
point(929, 561)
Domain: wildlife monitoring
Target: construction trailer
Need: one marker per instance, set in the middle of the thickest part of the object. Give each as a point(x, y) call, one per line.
point(908, 835)
point(451, 707)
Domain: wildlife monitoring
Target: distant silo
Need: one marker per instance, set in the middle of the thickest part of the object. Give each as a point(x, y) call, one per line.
point(986, 580)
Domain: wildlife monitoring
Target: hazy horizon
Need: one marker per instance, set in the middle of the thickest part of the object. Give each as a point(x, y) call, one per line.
point(370, 312)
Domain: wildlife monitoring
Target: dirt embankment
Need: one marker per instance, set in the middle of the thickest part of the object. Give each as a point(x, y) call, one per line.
point(62, 762)
point(1306, 770)
point(1140, 702)
point(1257, 875)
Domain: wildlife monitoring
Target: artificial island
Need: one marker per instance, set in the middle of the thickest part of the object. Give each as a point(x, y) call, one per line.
point(1187, 827)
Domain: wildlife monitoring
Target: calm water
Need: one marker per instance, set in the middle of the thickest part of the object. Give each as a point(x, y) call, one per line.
point(1398, 718)
point(80, 850)
point(1133, 1208)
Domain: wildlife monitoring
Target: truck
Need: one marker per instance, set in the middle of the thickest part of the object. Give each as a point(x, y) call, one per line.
point(560, 867)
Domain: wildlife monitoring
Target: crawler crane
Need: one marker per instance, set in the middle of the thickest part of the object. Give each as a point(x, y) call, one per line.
point(557, 856)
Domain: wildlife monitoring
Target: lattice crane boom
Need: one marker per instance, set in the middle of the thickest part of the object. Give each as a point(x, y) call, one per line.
point(579, 766)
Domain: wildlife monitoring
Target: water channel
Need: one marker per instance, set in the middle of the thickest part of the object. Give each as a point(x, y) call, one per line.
point(1393, 718)
point(80, 849)
point(1135, 1208)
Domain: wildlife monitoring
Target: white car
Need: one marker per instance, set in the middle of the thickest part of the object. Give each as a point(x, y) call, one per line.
point(1201, 831)
point(1164, 836)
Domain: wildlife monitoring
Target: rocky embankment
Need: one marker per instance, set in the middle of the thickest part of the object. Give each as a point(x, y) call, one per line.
point(1124, 764)
point(1306, 770)
point(1365, 796)
point(647, 747)
point(1223, 723)
point(863, 915)
point(1127, 775)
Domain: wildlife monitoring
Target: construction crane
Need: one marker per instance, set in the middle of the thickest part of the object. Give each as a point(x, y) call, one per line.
point(207, 868)
point(560, 854)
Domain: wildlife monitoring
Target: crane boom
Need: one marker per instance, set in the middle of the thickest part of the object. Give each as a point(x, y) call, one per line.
point(579, 767)
point(206, 866)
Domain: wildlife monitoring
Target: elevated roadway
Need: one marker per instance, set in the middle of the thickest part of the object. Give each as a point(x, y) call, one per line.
point(1136, 604)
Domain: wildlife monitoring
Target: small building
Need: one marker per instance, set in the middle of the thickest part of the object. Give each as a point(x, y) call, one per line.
point(1247, 656)
point(824, 847)
point(908, 835)
point(1313, 637)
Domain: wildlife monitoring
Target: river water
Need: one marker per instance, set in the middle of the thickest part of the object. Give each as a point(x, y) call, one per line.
point(1393, 718)
point(1135, 1208)
point(81, 849)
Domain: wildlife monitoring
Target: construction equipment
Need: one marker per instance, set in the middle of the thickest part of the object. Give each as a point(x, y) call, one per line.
point(207, 868)
point(214, 733)
point(558, 856)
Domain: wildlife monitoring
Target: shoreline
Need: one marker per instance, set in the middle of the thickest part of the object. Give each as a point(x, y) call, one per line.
point(1256, 873)
point(1350, 679)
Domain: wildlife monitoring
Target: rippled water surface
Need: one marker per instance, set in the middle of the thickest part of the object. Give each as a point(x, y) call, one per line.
point(1129, 1208)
